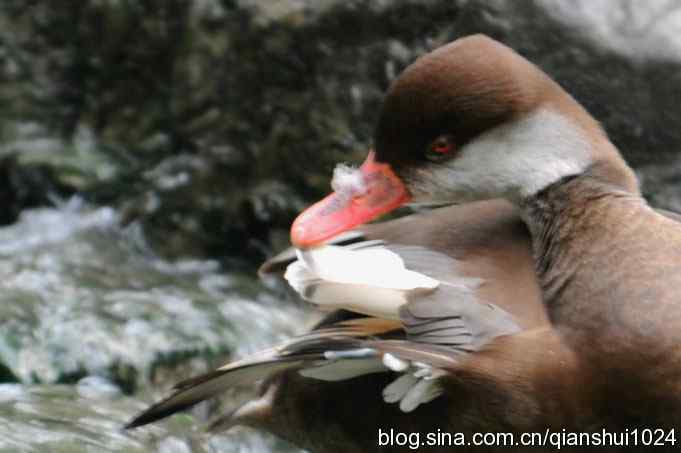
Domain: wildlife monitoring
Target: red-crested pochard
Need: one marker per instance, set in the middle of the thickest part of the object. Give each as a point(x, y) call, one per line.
point(581, 334)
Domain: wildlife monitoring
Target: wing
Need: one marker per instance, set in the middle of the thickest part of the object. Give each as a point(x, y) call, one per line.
point(453, 317)
point(435, 326)
point(421, 322)
point(345, 335)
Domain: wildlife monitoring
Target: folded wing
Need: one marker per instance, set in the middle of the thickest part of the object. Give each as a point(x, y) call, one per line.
point(421, 317)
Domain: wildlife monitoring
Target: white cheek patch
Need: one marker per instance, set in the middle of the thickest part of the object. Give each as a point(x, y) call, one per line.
point(514, 160)
point(348, 181)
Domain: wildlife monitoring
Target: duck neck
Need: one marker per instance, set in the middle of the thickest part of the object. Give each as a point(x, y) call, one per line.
point(564, 220)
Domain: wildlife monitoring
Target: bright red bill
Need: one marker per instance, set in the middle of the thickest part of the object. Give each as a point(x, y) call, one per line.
point(337, 213)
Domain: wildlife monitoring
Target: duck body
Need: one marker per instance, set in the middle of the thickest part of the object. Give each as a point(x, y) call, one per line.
point(553, 311)
point(489, 241)
point(611, 294)
point(550, 376)
point(460, 126)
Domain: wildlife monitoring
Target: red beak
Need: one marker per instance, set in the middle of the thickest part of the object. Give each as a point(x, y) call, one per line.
point(337, 213)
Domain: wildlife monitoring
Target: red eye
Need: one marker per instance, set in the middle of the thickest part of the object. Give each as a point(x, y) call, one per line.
point(440, 147)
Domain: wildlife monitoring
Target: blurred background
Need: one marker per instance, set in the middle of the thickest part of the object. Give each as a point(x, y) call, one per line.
point(154, 152)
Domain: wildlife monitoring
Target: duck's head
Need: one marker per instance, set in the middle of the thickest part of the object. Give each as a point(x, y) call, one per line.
point(471, 120)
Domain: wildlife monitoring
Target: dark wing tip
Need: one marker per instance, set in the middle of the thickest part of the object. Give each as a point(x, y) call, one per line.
point(140, 420)
point(270, 267)
point(157, 412)
point(178, 401)
point(277, 264)
point(134, 423)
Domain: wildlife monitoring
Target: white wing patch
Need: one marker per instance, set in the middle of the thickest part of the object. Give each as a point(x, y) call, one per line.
point(375, 266)
point(372, 280)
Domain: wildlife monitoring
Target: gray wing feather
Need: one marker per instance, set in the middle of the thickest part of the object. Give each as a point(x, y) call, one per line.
point(453, 316)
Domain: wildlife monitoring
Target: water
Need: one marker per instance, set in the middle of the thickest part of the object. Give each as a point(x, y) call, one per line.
point(94, 327)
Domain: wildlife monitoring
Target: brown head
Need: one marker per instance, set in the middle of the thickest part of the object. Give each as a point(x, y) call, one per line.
point(471, 120)
point(459, 90)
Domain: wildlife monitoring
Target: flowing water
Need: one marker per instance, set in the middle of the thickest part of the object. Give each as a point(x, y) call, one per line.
point(93, 327)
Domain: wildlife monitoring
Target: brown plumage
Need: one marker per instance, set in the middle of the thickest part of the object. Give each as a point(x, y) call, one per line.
point(585, 268)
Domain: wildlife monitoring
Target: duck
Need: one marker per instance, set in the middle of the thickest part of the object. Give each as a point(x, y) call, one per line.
point(591, 342)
